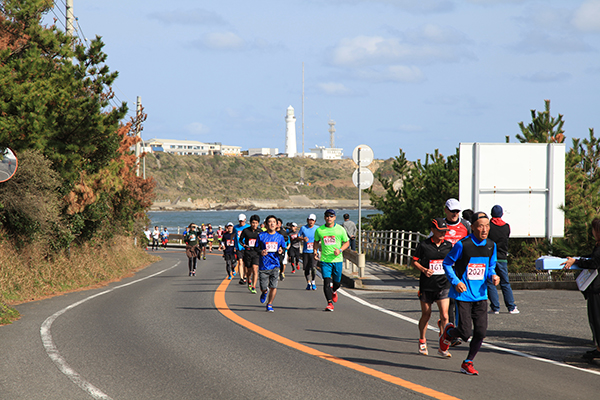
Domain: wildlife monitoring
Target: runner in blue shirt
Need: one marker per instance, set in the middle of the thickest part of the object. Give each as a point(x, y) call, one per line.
point(272, 244)
point(468, 266)
point(307, 233)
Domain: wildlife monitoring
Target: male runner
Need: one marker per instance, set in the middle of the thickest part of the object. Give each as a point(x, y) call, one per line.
point(190, 238)
point(202, 243)
point(307, 233)
point(468, 266)
point(332, 240)
point(210, 235)
point(433, 285)
point(248, 239)
point(164, 236)
point(294, 250)
point(271, 244)
point(228, 247)
point(239, 248)
point(283, 257)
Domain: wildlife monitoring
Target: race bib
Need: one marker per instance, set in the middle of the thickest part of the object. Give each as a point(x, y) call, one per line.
point(192, 238)
point(230, 243)
point(329, 240)
point(204, 240)
point(476, 272)
point(293, 236)
point(437, 267)
point(271, 247)
point(309, 245)
point(251, 242)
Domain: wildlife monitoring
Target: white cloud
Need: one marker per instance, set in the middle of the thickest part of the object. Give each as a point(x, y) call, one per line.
point(545, 77)
point(196, 16)
point(196, 128)
point(393, 73)
point(223, 41)
point(426, 45)
point(587, 17)
point(335, 89)
point(537, 41)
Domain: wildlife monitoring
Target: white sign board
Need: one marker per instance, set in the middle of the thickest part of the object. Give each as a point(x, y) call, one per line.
point(526, 179)
point(366, 178)
point(366, 155)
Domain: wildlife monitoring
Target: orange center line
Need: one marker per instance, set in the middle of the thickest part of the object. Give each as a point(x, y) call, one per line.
point(221, 305)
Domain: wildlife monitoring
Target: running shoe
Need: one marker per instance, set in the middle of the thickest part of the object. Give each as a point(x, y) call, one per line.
point(281, 276)
point(190, 273)
point(242, 281)
point(250, 288)
point(253, 291)
point(590, 355)
point(234, 273)
point(494, 312)
point(423, 349)
point(308, 286)
point(270, 308)
point(194, 273)
point(445, 354)
point(456, 342)
point(445, 339)
point(329, 307)
point(334, 297)
point(229, 277)
point(204, 258)
point(467, 368)
point(263, 297)
point(514, 311)
point(314, 286)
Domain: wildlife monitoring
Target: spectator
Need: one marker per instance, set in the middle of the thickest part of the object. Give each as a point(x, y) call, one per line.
point(350, 228)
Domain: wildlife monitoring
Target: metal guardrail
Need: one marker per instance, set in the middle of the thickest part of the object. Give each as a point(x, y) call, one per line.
point(393, 246)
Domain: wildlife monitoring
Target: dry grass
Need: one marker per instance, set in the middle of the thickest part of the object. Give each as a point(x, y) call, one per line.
point(25, 276)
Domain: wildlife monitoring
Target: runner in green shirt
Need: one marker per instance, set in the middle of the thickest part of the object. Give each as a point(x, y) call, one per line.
point(332, 240)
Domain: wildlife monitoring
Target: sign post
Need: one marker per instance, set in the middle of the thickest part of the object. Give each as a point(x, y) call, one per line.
point(362, 179)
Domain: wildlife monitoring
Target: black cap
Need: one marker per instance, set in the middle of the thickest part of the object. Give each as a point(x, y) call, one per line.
point(330, 211)
point(439, 224)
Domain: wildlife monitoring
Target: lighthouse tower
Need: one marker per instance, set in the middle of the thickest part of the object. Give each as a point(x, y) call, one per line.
point(290, 132)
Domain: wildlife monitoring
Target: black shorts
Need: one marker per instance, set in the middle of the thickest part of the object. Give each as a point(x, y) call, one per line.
point(308, 261)
point(294, 254)
point(471, 319)
point(251, 258)
point(431, 297)
point(240, 255)
point(200, 244)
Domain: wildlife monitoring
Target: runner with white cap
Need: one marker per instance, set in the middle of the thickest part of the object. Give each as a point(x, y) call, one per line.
point(239, 247)
point(307, 233)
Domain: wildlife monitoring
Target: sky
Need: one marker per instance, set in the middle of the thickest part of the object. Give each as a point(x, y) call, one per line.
point(393, 74)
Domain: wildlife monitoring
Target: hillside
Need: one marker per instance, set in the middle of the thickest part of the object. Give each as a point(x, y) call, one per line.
point(225, 179)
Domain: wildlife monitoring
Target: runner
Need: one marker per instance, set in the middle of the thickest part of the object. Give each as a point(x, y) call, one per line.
point(470, 263)
point(228, 247)
point(191, 248)
point(203, 242)
point(283, 257)
point(220, 232)
point(271, 244)
point(148, 234)
point(164, 237)
point(433, 284)
point(155, 238)
point(294, 250)
point(210, 235)
point(307, 233)
point(332, 240)
point(239, 248)
point(248, 238)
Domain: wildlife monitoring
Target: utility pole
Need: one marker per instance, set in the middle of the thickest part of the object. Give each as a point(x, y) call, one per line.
point(303, 110)
point(138, 115)
point(70, 18)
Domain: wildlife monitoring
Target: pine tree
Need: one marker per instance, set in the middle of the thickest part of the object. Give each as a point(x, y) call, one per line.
point(543, 128)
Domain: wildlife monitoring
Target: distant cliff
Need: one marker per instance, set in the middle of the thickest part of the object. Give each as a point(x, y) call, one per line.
point(224, 182)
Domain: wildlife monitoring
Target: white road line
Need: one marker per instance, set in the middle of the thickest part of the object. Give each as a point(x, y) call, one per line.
point(489, 346)
point(60, 362)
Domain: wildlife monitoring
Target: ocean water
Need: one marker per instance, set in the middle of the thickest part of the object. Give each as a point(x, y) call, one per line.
point(175, 220)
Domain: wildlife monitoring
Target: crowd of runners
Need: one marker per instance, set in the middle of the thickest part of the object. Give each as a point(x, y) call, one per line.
point(461, 262)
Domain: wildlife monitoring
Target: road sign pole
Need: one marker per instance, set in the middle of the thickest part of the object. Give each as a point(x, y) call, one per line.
point(359, 208)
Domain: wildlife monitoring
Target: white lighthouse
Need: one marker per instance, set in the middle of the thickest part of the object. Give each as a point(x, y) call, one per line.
point(290, 132)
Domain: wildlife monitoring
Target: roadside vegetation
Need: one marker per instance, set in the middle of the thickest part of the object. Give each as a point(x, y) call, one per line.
point(71, 213)
point(426, 186)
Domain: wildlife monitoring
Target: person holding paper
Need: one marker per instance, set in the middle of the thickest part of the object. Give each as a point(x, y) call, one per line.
point(590, 287)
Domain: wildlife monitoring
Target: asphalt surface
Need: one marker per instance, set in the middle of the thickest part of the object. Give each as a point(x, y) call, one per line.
point(163, 337)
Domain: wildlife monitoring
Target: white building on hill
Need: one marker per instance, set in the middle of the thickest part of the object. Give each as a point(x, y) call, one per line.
point(263, 151)
point(327, 153)
point(191, 147)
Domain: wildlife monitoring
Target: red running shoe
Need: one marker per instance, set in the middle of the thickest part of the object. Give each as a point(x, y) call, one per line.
point(334, 297)
point(467, 368)
point(329, 307)
point(445, 338)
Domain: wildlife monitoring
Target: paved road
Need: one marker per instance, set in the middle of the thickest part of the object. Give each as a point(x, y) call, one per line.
point(164, 338)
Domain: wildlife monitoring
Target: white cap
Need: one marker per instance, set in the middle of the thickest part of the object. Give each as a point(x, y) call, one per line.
point(242, 217)
point(294, 224)
point(229, 224)
point(313, 217)
point(453, 204)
